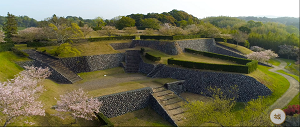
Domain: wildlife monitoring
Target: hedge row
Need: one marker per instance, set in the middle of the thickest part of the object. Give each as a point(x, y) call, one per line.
point(219, 56)
point(19, 52)
point(111, 38)
point(152, 57)
point(156, 37)
point(6, 46)
point(209, 66)
point(177, 37)
point(104, 120)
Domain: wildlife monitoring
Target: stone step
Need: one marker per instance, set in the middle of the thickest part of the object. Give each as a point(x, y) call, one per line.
point(174, 106)
point(163, 93)
point(172, 101)
point(160, 89)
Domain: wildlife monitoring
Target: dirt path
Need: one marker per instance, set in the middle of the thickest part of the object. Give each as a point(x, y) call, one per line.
point(290, 93)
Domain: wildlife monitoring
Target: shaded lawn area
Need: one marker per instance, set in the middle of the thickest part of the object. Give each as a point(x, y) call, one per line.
point(291, 66)
point(89, 48)
point(7, 66)
point(142, 117)
point(184, 56)
point(242, 49)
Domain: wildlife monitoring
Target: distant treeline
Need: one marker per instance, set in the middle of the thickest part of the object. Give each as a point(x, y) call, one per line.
point(175, 17)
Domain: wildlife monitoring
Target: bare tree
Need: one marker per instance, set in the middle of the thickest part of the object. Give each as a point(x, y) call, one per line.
point(239, 37)
point(86, 30)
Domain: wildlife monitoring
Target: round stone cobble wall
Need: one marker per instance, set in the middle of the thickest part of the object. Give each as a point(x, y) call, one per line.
point(93, 63)
point(120, 103)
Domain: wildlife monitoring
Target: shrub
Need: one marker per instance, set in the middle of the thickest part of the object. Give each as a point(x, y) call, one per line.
point(104, 120)
point(6, 46)
point(152, 57)
point(66, 50)
point(291, 110)
point(111, 38)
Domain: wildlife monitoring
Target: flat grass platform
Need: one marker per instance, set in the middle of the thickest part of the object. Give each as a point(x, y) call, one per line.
point(181, 56)
point(242, 49)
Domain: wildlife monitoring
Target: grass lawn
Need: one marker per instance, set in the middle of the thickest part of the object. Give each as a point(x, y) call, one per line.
point(294, 101)
point(291, 66)
point(274, 62)
point(142, 117)
point(294, 76)
point(184, 56)
point(7, 66)
point(242, 49)
point(90, 48)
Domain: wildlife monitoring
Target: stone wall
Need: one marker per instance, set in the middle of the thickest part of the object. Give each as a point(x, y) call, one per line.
point(145, 68)
point(167, 47)
point(118, 46)
point(124, 102)
point(171, 47)
point(55, 76)
point(177, 87)
point(207, 45)
point(93, 63)
point(197, 82)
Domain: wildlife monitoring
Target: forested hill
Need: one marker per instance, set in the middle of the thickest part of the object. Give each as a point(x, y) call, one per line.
point(23, 21)
point(284, 20)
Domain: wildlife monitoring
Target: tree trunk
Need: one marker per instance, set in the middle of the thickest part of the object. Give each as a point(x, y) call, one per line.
point(7, 121)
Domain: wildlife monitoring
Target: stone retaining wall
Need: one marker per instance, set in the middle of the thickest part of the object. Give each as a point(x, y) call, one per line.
point(167, 47)
point(124, 102)
point(177, 87)
point(118, 46)
point(228, 53)
point(206, 45)
point(93, 63)
point(55, 76)
point(197, 82)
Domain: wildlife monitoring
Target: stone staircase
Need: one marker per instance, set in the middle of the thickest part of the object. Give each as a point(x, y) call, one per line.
point(132, 60)
point(54, 64)
point(172, 104)
point(155, 70)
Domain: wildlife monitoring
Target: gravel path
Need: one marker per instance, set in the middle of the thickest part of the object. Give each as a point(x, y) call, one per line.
point(290, 93)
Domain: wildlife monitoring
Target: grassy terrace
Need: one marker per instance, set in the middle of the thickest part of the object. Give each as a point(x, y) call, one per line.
point(183, 56)
point(242, 49)
point(90, 48)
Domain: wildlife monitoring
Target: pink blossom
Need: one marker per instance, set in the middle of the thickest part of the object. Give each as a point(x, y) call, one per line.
point(18, 96)
point(78, 104)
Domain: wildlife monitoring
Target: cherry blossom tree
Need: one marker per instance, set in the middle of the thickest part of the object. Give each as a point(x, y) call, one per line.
point(288, 50)
point(78, 104)
point(86, 30)
point(108, 30)
point(130, 30)
point(18, 96)
point(262, 56)
point(256, 48)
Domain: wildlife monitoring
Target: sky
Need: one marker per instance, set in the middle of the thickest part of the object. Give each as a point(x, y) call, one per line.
point(107, 9)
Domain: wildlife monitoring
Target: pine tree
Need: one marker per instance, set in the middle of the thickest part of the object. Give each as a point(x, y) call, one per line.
point(10, 27)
